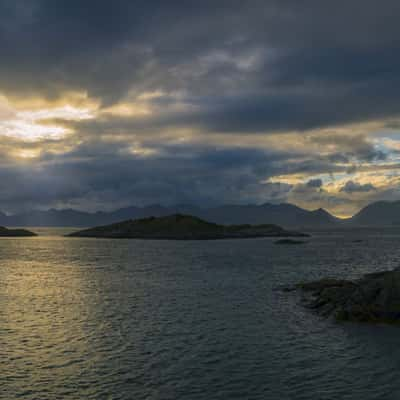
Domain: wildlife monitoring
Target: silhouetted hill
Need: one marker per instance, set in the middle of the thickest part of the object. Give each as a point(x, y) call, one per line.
point(5, 232)
point(182, 227)
point(381, 213)
point(287, 215)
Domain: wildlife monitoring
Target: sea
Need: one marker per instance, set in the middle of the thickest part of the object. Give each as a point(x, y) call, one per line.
point(193, 320)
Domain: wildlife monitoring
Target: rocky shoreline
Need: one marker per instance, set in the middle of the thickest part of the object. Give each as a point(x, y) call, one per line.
point(373, 298)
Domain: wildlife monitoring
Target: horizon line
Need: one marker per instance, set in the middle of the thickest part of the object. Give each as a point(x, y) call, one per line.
point(341, 217)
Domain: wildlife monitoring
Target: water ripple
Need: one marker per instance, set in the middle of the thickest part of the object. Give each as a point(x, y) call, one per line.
point(130, 319)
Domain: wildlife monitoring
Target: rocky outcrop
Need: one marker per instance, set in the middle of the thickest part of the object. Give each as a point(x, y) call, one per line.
point(373, 298)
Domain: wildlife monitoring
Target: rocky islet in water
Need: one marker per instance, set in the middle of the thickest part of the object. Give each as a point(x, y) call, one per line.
point(183, 227)
point(5, 232)
point(373, 298)
point(289, 242)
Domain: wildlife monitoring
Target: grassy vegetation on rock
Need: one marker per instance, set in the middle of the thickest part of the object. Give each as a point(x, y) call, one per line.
point(183, 227)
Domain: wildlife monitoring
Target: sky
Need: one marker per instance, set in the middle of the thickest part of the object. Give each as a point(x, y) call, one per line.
point(106, 104)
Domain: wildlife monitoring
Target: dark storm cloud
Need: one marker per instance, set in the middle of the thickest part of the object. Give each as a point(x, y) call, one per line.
point(352, 187)
point(104, 175)
point(349, 147)
point(317, 64)
point(315, 183)
point(220, 67)
point(98, 174)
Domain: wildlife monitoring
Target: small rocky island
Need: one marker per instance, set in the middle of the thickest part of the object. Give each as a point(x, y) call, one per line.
point(5, 232)
point(289, 241)
point(372, 298)
point(183, 227)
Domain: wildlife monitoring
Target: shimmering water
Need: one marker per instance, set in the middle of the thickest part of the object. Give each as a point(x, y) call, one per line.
point(130, 319)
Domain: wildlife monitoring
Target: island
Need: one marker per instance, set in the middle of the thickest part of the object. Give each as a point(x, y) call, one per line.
point(5, 232)
point(183, 227)
point(289, 241)
point(374, 297)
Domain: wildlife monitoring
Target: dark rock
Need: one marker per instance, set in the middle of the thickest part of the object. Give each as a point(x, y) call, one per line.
point(290, 288)
point(289, 241)
point(373, 298)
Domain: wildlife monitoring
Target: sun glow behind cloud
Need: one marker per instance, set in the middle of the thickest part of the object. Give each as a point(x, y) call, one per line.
point(33, 125)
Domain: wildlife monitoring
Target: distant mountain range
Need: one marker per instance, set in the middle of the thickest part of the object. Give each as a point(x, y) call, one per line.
point(381, 213)
point(286, 215)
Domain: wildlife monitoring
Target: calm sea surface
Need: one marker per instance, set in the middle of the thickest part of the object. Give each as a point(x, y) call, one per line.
point(131, 319)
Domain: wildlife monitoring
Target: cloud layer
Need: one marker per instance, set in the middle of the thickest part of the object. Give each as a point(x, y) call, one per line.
point(105, 104)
